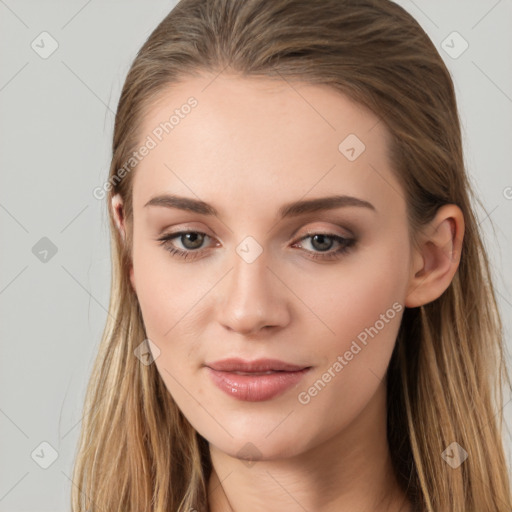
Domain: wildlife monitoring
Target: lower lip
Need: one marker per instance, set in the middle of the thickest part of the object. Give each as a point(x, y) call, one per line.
point(255, 388)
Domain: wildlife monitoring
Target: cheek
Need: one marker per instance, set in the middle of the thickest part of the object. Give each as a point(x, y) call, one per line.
point(364, 309)
point(164, 294)
point(352, 295)
point(172, 300)
point(166, 299)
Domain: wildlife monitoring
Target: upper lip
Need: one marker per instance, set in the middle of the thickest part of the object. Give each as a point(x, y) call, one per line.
point(258, 365)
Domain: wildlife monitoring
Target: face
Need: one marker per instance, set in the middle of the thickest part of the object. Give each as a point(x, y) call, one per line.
point(321, 289)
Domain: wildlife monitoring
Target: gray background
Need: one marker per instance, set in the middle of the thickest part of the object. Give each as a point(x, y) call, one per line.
point(56, 124)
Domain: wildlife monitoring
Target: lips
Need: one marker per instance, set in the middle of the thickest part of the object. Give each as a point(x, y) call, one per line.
point(255, 381)
point(259, 365)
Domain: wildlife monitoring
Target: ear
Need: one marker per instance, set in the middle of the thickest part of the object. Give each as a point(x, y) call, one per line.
point(117, 211)
point(436, 258)
point(118, 214)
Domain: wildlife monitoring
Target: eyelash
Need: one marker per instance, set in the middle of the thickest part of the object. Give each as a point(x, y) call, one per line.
point(346, 245)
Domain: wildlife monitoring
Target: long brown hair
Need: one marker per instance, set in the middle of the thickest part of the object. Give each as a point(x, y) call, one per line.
point(137, 452)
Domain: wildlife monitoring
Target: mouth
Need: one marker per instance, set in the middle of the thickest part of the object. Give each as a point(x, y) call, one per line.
point(270, 372)
point(255, 381)
point(258, 365)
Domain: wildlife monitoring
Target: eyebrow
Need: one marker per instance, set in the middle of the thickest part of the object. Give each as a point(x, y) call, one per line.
point(292, 209)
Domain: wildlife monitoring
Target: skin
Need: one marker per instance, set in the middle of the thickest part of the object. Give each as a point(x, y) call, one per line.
point(250, 146)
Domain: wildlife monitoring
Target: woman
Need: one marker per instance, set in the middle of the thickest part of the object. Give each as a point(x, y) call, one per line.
point(302, 316)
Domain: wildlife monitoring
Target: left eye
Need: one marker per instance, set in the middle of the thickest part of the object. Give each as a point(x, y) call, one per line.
point(324, 253)
point(321, 243)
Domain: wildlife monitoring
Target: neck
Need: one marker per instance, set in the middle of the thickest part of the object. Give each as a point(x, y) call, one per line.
point(351, 471)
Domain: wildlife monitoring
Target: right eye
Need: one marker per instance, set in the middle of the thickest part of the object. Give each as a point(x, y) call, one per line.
point(190, 240)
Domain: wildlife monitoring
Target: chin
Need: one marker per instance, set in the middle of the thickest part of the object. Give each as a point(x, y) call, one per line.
point(256, 445)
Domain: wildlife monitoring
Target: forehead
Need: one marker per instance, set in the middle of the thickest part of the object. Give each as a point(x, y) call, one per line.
point(263, 141)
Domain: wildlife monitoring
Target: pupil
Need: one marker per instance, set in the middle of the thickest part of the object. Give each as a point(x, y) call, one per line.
point(195, 238)
point(322, 238)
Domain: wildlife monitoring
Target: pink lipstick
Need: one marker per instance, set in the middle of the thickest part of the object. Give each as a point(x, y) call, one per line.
point(254, 381)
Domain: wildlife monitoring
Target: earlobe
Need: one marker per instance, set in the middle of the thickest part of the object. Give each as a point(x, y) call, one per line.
point(437, 257)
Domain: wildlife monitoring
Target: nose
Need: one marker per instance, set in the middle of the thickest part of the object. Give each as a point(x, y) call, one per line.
point(253, 298)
